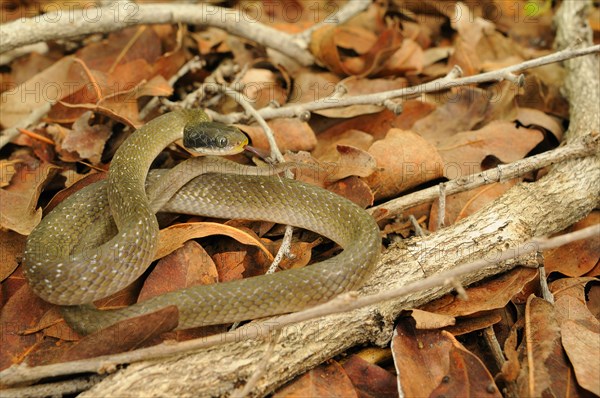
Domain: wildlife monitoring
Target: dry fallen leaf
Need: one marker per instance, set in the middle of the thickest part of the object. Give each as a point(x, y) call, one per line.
point(175, 236)
point(290, 135)
point(467, 376)
point(405, 160)
point(431, 320)
point(326, 380)
point(189, 265)
point(51, 84)
point(369, 379)
point(575, 258)
point(421, 357)
point(491, 295)
point(12, 245)
point(84, 141)
point(141, 331)
point(464, 153)
point(22, 311)
point(18, 201)
point(545, 369)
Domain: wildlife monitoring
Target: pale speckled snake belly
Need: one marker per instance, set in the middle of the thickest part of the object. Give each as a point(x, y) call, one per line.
point(64, 269)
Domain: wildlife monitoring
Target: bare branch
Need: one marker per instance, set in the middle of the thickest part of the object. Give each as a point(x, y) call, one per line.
point(71, 23)
point(444, 83)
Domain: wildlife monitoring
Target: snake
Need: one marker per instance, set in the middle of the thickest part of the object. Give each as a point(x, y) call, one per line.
point(102, 238)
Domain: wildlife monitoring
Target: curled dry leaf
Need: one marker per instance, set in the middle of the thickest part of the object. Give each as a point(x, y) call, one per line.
point(581, 344)
point(263, 87)
point(476, 322)
point(139, 332)
point(340, 175)
point(82, 142)
point(18, 201)
point(175, 236)
point(300, 255)
point(580, 336)
point(350, 161)
point(471, 30)
point(405, 160)
point(378, 124)
point(231, 264)
point(532, 118)
point(329, 43)
point(541, 91)
point(327, 145)
point(309, 85)
point(571, 308)
point(211, 40)
point(465, 107)
point(570, 286)
point(354, 189)
point(407, 59)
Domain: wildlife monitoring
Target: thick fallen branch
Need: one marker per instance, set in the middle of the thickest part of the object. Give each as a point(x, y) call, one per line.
point(72, 22)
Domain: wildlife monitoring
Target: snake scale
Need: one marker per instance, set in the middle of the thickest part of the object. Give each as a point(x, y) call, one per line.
point(79, 254)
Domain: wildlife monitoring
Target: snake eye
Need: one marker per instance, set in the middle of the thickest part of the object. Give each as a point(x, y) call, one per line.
point(222, 142)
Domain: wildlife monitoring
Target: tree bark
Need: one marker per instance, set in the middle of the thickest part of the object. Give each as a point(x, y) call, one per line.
point(568, 193)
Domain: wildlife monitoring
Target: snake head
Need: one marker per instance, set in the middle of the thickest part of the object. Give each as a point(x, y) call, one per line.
point(213, 138)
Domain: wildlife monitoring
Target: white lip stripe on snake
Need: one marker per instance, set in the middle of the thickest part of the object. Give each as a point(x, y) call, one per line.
point(64, 269)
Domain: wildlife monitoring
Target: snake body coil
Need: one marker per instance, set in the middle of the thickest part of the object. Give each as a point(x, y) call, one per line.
point(64, 268)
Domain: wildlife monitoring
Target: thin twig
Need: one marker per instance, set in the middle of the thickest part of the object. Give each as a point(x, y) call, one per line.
point(577, 149)
point(489, 337)
point(418, 230)
point(444, 83)
point(345, 302)
point(193, 64)
point(441, 221)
